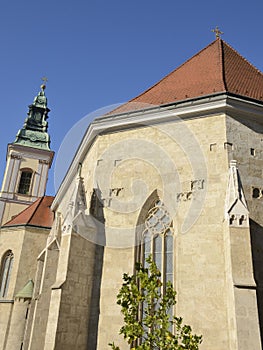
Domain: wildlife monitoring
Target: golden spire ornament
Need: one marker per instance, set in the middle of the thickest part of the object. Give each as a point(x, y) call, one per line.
point(217, 32)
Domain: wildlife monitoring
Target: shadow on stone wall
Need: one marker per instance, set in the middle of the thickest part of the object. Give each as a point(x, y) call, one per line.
point(256, 234)
point(95, 299)
point(97, 211)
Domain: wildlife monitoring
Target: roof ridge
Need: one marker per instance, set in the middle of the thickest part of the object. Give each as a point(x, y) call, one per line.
point(241, 56)
point(222, 60)
point(177, 68)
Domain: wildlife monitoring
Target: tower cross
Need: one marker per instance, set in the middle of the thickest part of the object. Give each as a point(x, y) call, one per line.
point(217, 32)
point(44, 79)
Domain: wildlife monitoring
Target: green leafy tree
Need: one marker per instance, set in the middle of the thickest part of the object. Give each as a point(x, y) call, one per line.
point(147, 317)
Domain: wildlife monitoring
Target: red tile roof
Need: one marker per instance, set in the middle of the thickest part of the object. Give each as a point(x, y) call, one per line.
point(216, 68)
point(37, 214)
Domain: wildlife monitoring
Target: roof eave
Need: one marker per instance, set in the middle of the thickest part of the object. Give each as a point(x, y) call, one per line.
point(26, 225)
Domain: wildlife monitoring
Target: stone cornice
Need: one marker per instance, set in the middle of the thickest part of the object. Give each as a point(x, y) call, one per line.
point(19, 151)
point(5, 198)
point(187, 109)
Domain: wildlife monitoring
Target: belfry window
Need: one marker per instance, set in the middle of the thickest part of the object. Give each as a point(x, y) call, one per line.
point(6, 268)
point(25, 182)
point(158, 240)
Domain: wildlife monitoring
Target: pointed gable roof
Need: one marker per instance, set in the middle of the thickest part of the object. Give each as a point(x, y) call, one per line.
point(37, 214)
point(217, 68)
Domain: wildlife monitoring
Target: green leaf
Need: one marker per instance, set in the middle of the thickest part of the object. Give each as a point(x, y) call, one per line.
point(142, 291)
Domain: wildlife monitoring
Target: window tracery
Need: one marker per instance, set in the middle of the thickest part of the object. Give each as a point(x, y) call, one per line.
point(157, 240)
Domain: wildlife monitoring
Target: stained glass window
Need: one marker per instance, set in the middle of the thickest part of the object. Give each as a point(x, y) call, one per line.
point(6, 268)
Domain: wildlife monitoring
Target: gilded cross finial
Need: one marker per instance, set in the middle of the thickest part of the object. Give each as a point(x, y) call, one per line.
point(43, 86)
point(217, 32)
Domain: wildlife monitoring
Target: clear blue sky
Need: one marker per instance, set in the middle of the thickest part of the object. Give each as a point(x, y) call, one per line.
point(98, 53)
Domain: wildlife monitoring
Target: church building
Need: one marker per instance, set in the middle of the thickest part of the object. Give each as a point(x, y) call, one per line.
point(177, 172)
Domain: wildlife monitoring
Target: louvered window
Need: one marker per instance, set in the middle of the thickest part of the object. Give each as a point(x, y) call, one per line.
point(25, 182)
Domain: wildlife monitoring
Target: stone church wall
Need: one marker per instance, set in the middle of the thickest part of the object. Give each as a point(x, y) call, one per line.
point(245, 137)
point(200, 274)
point(25, 243)
point(186, 165)
point(71, 326)
point(45, 278)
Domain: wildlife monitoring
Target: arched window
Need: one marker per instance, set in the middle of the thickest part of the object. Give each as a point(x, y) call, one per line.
point(25, 181)
point(5, 273)
point(157, 240)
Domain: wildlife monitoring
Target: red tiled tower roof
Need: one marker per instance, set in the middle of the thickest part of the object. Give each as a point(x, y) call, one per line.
point(217, 68)
point(37, 214)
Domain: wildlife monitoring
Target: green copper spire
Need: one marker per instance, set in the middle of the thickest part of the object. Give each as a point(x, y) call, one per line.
point(34, 132)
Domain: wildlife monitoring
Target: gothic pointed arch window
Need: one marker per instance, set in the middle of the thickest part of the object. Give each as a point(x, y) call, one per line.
point(5, 272)
point(158, 240)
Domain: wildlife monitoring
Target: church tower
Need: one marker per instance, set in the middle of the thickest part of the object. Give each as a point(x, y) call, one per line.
point(28, 160)
point(26, 220)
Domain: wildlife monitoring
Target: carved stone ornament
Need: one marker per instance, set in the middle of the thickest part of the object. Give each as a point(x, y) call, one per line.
point(16, 156)
point(236, 211)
